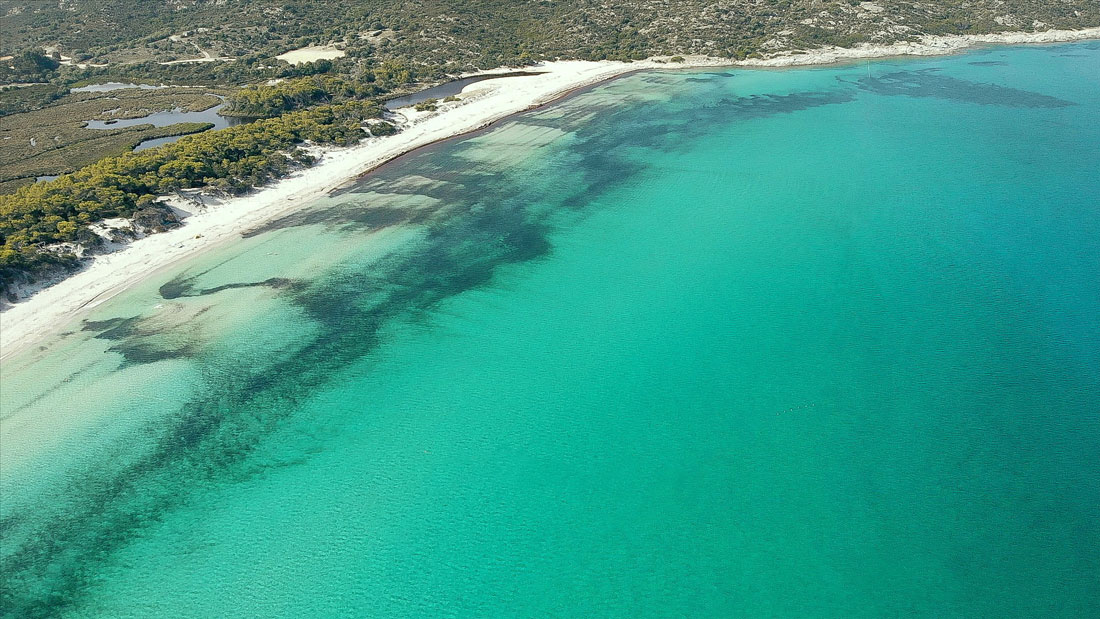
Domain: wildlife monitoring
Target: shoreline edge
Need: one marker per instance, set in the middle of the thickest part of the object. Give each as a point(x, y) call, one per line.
point(484, 103)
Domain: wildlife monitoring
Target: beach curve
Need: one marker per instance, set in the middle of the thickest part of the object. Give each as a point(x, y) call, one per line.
point(48, 310)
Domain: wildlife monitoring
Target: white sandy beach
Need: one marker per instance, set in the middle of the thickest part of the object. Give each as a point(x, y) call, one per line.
point(51, 308)
point(484, 102)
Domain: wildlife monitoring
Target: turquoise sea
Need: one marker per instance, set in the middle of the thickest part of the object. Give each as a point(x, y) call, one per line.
point(736, 343)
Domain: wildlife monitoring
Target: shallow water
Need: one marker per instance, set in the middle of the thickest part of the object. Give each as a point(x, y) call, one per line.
point(815, 342)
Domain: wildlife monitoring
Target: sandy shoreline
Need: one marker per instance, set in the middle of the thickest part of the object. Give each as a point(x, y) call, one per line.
point(483, 103)
point(49, 309)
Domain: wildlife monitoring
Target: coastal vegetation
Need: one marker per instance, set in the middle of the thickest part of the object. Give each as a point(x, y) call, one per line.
point(427, 105)
point(55, 138)
point(265, 101)
point(43, 128)
point(28, 65)
point(75, 148)
point(102, 179)
point(232, 160)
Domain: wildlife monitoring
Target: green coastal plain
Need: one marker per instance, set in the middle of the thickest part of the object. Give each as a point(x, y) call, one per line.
point(801, 343)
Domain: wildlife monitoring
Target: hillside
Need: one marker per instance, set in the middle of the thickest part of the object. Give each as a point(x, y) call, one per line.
point(486, 33)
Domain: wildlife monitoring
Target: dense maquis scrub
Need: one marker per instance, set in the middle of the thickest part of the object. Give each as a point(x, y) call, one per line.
point(232, 160)
point(488, 33)
point(49, 132)
point(265, 101)
point(30, 65)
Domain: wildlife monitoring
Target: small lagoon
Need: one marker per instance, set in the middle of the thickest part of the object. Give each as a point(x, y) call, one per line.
point(167, 118)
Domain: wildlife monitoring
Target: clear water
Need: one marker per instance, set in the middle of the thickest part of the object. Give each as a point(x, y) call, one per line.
point(812, 343)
